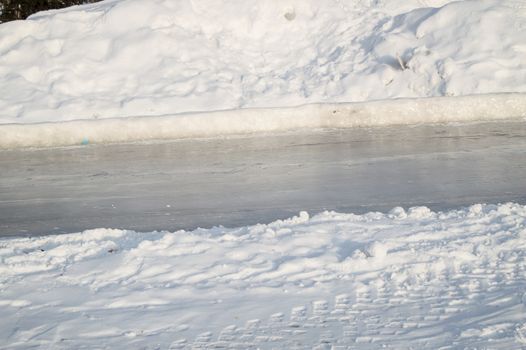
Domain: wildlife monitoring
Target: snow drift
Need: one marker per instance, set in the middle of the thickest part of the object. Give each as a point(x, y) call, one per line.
point(404, 279)
point(123, 58)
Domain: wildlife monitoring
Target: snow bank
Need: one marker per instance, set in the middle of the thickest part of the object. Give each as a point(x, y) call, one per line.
point(245, 121)
point(124, 58)
point(407, 278)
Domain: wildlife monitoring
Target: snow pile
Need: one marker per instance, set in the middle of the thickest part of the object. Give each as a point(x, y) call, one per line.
point(123, 58)
point(411, 278)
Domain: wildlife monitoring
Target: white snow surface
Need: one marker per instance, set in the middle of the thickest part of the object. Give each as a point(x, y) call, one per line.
point(405, 279)
point(122, 58)
point(490, 107)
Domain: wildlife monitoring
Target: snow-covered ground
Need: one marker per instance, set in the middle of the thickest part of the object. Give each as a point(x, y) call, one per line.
point(123, 58)
point(174, 64)
point(189, 68)
point(405, 279)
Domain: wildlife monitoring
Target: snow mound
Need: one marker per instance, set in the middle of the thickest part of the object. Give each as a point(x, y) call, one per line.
point(412, 278)
point(122, 58)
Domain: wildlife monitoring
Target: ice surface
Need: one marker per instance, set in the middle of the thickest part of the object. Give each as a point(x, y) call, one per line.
point(402, 279)
point(122, 58)
point(239, 181)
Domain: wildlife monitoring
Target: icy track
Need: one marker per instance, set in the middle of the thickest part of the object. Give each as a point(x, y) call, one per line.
point(406, 279)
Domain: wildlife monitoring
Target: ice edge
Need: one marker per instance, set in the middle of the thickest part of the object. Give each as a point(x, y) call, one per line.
point(405, 111)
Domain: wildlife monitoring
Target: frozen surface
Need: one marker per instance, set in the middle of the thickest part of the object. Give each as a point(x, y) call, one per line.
point(403, 279)
point(245, 180)
point(122, 58)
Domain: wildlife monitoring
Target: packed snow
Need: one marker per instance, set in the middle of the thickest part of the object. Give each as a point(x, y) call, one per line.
point(264, 120)
point(123, 58)
point(405, 279)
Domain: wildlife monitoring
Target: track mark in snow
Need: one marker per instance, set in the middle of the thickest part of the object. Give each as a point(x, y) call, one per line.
point(414, 278)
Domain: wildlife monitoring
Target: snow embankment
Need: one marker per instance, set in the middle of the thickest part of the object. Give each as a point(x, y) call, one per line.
point(405, 279)
point(246, 121)
point(125, 58)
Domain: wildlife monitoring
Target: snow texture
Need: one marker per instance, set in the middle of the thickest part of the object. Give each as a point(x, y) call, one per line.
point(246, 121)
point(124, 58)
point(405, 279)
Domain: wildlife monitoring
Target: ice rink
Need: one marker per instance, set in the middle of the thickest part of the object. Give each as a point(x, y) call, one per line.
point(247, 180)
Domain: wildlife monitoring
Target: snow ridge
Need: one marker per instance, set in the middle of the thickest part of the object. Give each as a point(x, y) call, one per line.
point(246, 121)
